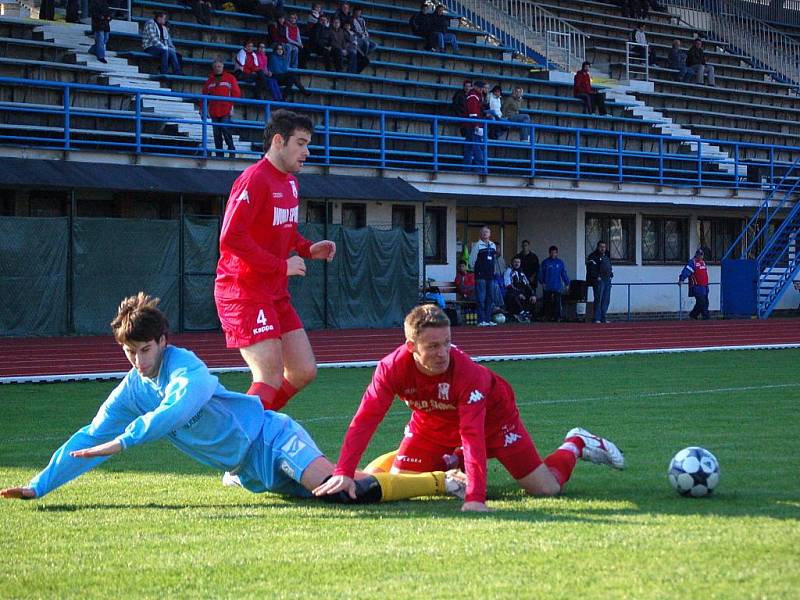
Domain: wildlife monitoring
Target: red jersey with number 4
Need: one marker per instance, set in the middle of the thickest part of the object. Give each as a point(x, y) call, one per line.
point(461, 407)
point(258, 234)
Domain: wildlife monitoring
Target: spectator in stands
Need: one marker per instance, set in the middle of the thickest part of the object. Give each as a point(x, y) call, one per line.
point(420, 24)
point(222, 84)
point(277, 31)
point(520, 299)
point(323, 42)
point(338, 43)
point(529, 263)
point(465, 282)
point(344, 13)
point(582, 89)
point(495, 112)
point(263, 64)
point(440, 34)
point(482, 259)
point(351, 52)
point(158, 44)
point(294, 43)
point(697, 272)
point(279, 66)
point(101, 28)
point(677, 59)
point(639, 36)
point(248, 68)
point(47, 10)
point(511, 112)
point(696, 65)
point(473, 133)
point(201, 9)
point(365, 45)
point(599, 273)
point(554, 279)
point(310, 34)
point(269, 9)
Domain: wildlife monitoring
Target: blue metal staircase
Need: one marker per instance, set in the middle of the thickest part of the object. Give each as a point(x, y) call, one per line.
point(774, 231)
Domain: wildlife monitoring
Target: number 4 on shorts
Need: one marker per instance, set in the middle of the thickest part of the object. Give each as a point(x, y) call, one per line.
point(261, 319)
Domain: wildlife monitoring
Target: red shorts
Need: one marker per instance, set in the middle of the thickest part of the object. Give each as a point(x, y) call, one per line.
point(511, 445)
point(248, 322)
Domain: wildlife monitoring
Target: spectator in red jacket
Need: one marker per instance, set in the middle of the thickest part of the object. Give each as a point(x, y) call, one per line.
point(248, 68)
point(583, 89)
point(465, 282)
point(223, 84)
point(474, 133)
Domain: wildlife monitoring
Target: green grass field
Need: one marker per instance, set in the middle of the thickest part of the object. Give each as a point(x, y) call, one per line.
point(152, 523)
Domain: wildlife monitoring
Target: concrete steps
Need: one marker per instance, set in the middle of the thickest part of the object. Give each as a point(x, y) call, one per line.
point(120, 73)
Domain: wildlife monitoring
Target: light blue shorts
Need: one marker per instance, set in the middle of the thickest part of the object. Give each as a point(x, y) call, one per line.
point(276, 462)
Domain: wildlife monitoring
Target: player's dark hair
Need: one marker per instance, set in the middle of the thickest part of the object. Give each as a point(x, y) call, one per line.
point(139, 320)
point(552, 248)
point(286, 123)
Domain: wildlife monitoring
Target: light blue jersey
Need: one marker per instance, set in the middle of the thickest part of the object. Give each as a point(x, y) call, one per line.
point(225, 430)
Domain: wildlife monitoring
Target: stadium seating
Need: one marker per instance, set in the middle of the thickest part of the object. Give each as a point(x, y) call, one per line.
point(746, 106)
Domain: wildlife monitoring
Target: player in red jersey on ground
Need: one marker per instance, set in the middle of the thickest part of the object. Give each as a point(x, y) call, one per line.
point(258, 235)
point(457, 402)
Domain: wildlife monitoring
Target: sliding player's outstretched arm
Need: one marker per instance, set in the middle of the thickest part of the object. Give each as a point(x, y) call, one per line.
point(110, 421)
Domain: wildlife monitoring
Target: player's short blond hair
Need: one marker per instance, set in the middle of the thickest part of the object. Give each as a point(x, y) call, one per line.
point(139, 320)
point(422, 317)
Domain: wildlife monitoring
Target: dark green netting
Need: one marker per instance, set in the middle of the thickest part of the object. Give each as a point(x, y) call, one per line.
point(114, 258)
point(200, 255)
point(33, 275)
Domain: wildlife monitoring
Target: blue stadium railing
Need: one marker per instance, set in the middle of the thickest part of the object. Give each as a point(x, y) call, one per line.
point(398, 140)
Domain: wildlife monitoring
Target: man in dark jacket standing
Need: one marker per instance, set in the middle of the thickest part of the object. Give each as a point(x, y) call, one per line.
point(101, 28)
point(599, 273)
point(554, 279)
point(482, 260)
point(529, 263)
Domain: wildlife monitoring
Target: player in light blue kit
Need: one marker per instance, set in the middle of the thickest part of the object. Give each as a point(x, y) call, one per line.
point(170, 393)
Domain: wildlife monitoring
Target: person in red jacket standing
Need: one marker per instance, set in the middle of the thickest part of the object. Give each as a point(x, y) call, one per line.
point(474, 133)
point(454, 403)
point(257, 247)
point(223, 84)
point(582, 89)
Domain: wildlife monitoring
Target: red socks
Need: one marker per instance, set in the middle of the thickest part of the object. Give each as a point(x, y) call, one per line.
point(271, 398)
point(562, 462)
point(284, 394)
point(266, 393)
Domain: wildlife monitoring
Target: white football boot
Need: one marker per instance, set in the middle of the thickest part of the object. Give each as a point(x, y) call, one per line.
point(231, 480)
point(598, 450)
point(455, 483)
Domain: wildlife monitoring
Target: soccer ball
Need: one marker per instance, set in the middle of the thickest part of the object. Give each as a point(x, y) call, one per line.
point(694, 472)
point(499, 318)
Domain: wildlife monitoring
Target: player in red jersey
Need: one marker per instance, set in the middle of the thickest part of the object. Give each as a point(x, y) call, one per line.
point(258, 235)
point(457, 402)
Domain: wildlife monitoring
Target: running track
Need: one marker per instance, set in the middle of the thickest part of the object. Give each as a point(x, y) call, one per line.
point(31, 358)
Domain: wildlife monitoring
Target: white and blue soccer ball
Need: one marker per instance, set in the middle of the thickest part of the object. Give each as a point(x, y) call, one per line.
point(499, 318)
point(694, 471)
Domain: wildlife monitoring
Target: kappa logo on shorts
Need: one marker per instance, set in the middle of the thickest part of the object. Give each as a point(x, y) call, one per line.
point(474, 397)
point(287, 468)
point(511, 438)
point(293, 447)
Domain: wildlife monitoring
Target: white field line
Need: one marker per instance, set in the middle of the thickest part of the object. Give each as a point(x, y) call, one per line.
point(373, 363)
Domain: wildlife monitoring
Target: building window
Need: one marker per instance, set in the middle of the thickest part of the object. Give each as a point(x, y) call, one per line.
point(436, 235)
point(403, 217)
point(617, 231)
point(354, 216)
point(664, 240)
point(316, 212)
point(716, 234)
